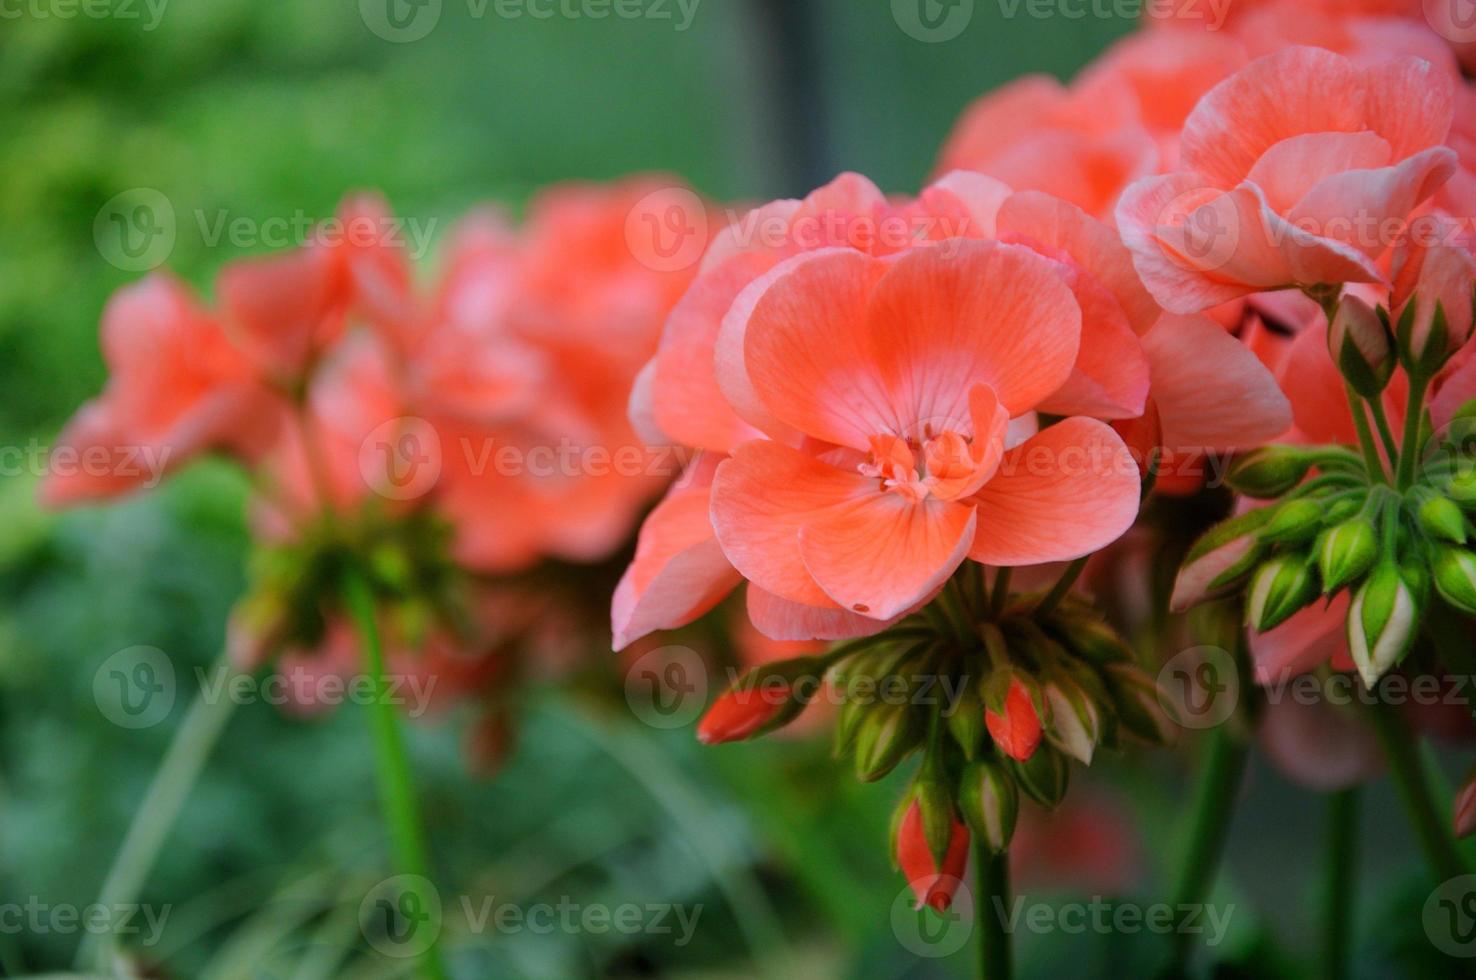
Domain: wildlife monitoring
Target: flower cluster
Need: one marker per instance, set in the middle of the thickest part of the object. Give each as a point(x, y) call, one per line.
point(443, 440)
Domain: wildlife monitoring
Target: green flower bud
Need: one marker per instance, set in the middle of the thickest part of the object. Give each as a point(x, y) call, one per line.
point(885, 737)
point(1075, 722)
point(1091, 639)
point(966, 719)
point(1346, 552)
point(1269, 471)
point(1140, 710)
point(1455, 578)
point(989, 802)
point(1296, 521)
point(1462, 487)
point(1221, 558)
point(1043, 777)
point(1441, 518)
point(1282, 587)
point(1424, 337)
point(1361, 347)
point(1382, 622)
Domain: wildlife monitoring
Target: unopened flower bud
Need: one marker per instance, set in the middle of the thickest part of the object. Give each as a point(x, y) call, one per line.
point(887, 734)
point(1091, 639)
point(1139, 707)
point(1282, 587)
point(762, 700)
point(1043, 777)
point(1462, 488)
point(1269, 471)
point(1346, 552)
point(1424, 337)
point(1455, 578)
point(1441, 518)
point(989, 802)
point(1015, 725)
point(1221, 558)
point(934, 882)
point(1296, 521)
point(1075, 724)
point(965, 720)
point(1382, 621)
point(1361, 347)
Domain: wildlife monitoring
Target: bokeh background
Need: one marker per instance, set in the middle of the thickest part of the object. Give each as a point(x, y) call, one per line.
point(262, 109)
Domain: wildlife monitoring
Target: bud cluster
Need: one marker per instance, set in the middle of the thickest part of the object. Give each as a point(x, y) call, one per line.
point(994, 714)
point(1333, 526)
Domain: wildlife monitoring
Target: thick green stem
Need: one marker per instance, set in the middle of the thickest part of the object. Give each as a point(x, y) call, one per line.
point(1001, 593)
point(1209, 827)
point(1371, 458)
point(1340, 873)
point(992, 912)
point(1432, 829)
point(166, 795)
point(392, 764)
point(1386, 434)
point(1409, 448)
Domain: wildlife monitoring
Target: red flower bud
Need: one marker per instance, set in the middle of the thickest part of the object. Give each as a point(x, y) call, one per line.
point(740, 713)
point(1017, 731)
point(933, 886)
point(1465, 809)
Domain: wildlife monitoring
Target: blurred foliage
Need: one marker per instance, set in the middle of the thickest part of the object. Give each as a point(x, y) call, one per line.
point(274, 109)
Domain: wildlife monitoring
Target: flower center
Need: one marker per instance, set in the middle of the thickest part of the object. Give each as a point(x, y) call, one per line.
point(935, 466)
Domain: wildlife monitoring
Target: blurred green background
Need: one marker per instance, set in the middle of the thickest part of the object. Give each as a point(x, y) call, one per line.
point(270, 109)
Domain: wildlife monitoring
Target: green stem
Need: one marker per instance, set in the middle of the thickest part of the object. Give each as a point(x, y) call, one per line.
point(1340, 872)
point(991, 912)
point(1431, 828)
point(396, 788)
point(1410, 449)
point(1209, 827)
point(1062, 587)
point(178, 770)
point(1371, 459)
point(1386, 434)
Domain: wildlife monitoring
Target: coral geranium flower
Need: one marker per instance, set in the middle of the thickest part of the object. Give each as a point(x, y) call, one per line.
point(1298, 170)
point(901, 377)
